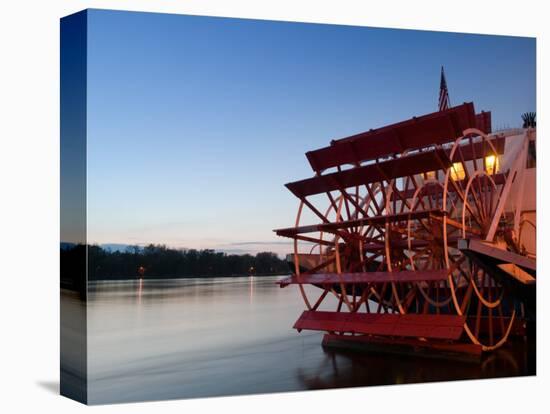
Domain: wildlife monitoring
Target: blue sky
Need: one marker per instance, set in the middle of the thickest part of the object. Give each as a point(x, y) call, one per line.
point(196, 123)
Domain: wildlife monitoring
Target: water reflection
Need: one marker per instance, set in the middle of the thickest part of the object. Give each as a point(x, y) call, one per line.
point(350, 369)
point(140, 290)
point(203, 337)
point(73, 344)
point(251, 282)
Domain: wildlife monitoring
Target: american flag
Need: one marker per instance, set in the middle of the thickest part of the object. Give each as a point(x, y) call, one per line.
point(444, 101)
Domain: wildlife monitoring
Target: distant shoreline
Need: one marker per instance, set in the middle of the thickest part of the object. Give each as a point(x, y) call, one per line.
point(84, 263)
point(149, 279)
point(182, 277)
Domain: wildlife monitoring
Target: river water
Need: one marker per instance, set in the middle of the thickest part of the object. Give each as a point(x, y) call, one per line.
point(203, 337)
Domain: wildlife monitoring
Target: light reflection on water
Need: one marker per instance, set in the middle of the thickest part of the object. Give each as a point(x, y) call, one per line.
point(150, 340)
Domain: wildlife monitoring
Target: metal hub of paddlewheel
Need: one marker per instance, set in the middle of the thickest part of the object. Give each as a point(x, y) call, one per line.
point(392, 229)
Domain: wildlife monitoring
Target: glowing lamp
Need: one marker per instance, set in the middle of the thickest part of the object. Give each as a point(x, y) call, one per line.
point(492, 164)
point(457, 171)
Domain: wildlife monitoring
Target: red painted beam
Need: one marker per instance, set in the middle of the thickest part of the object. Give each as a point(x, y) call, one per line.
point(333, 227)
point(401, 167)
point(385, 324)
point(483, 121)
point(405, 276)
point(435, 128)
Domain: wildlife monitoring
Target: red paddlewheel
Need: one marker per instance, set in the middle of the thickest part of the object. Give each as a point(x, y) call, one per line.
point(345, 248)
point(474, 183)
point(385, 250)
point(468, 192)
point(421, 245)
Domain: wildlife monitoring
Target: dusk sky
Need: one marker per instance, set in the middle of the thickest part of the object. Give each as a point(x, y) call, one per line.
point(195, 124)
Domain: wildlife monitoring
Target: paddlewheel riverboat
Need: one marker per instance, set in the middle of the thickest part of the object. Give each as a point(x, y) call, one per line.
point(418, 236)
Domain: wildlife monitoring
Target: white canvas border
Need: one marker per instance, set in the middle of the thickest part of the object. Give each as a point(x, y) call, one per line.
point(29, 91)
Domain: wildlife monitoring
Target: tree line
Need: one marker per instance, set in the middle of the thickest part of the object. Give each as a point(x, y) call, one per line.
point(159, 262)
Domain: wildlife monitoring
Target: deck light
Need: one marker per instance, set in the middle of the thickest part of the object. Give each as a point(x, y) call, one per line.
point(492, 164)
point(457, 171)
